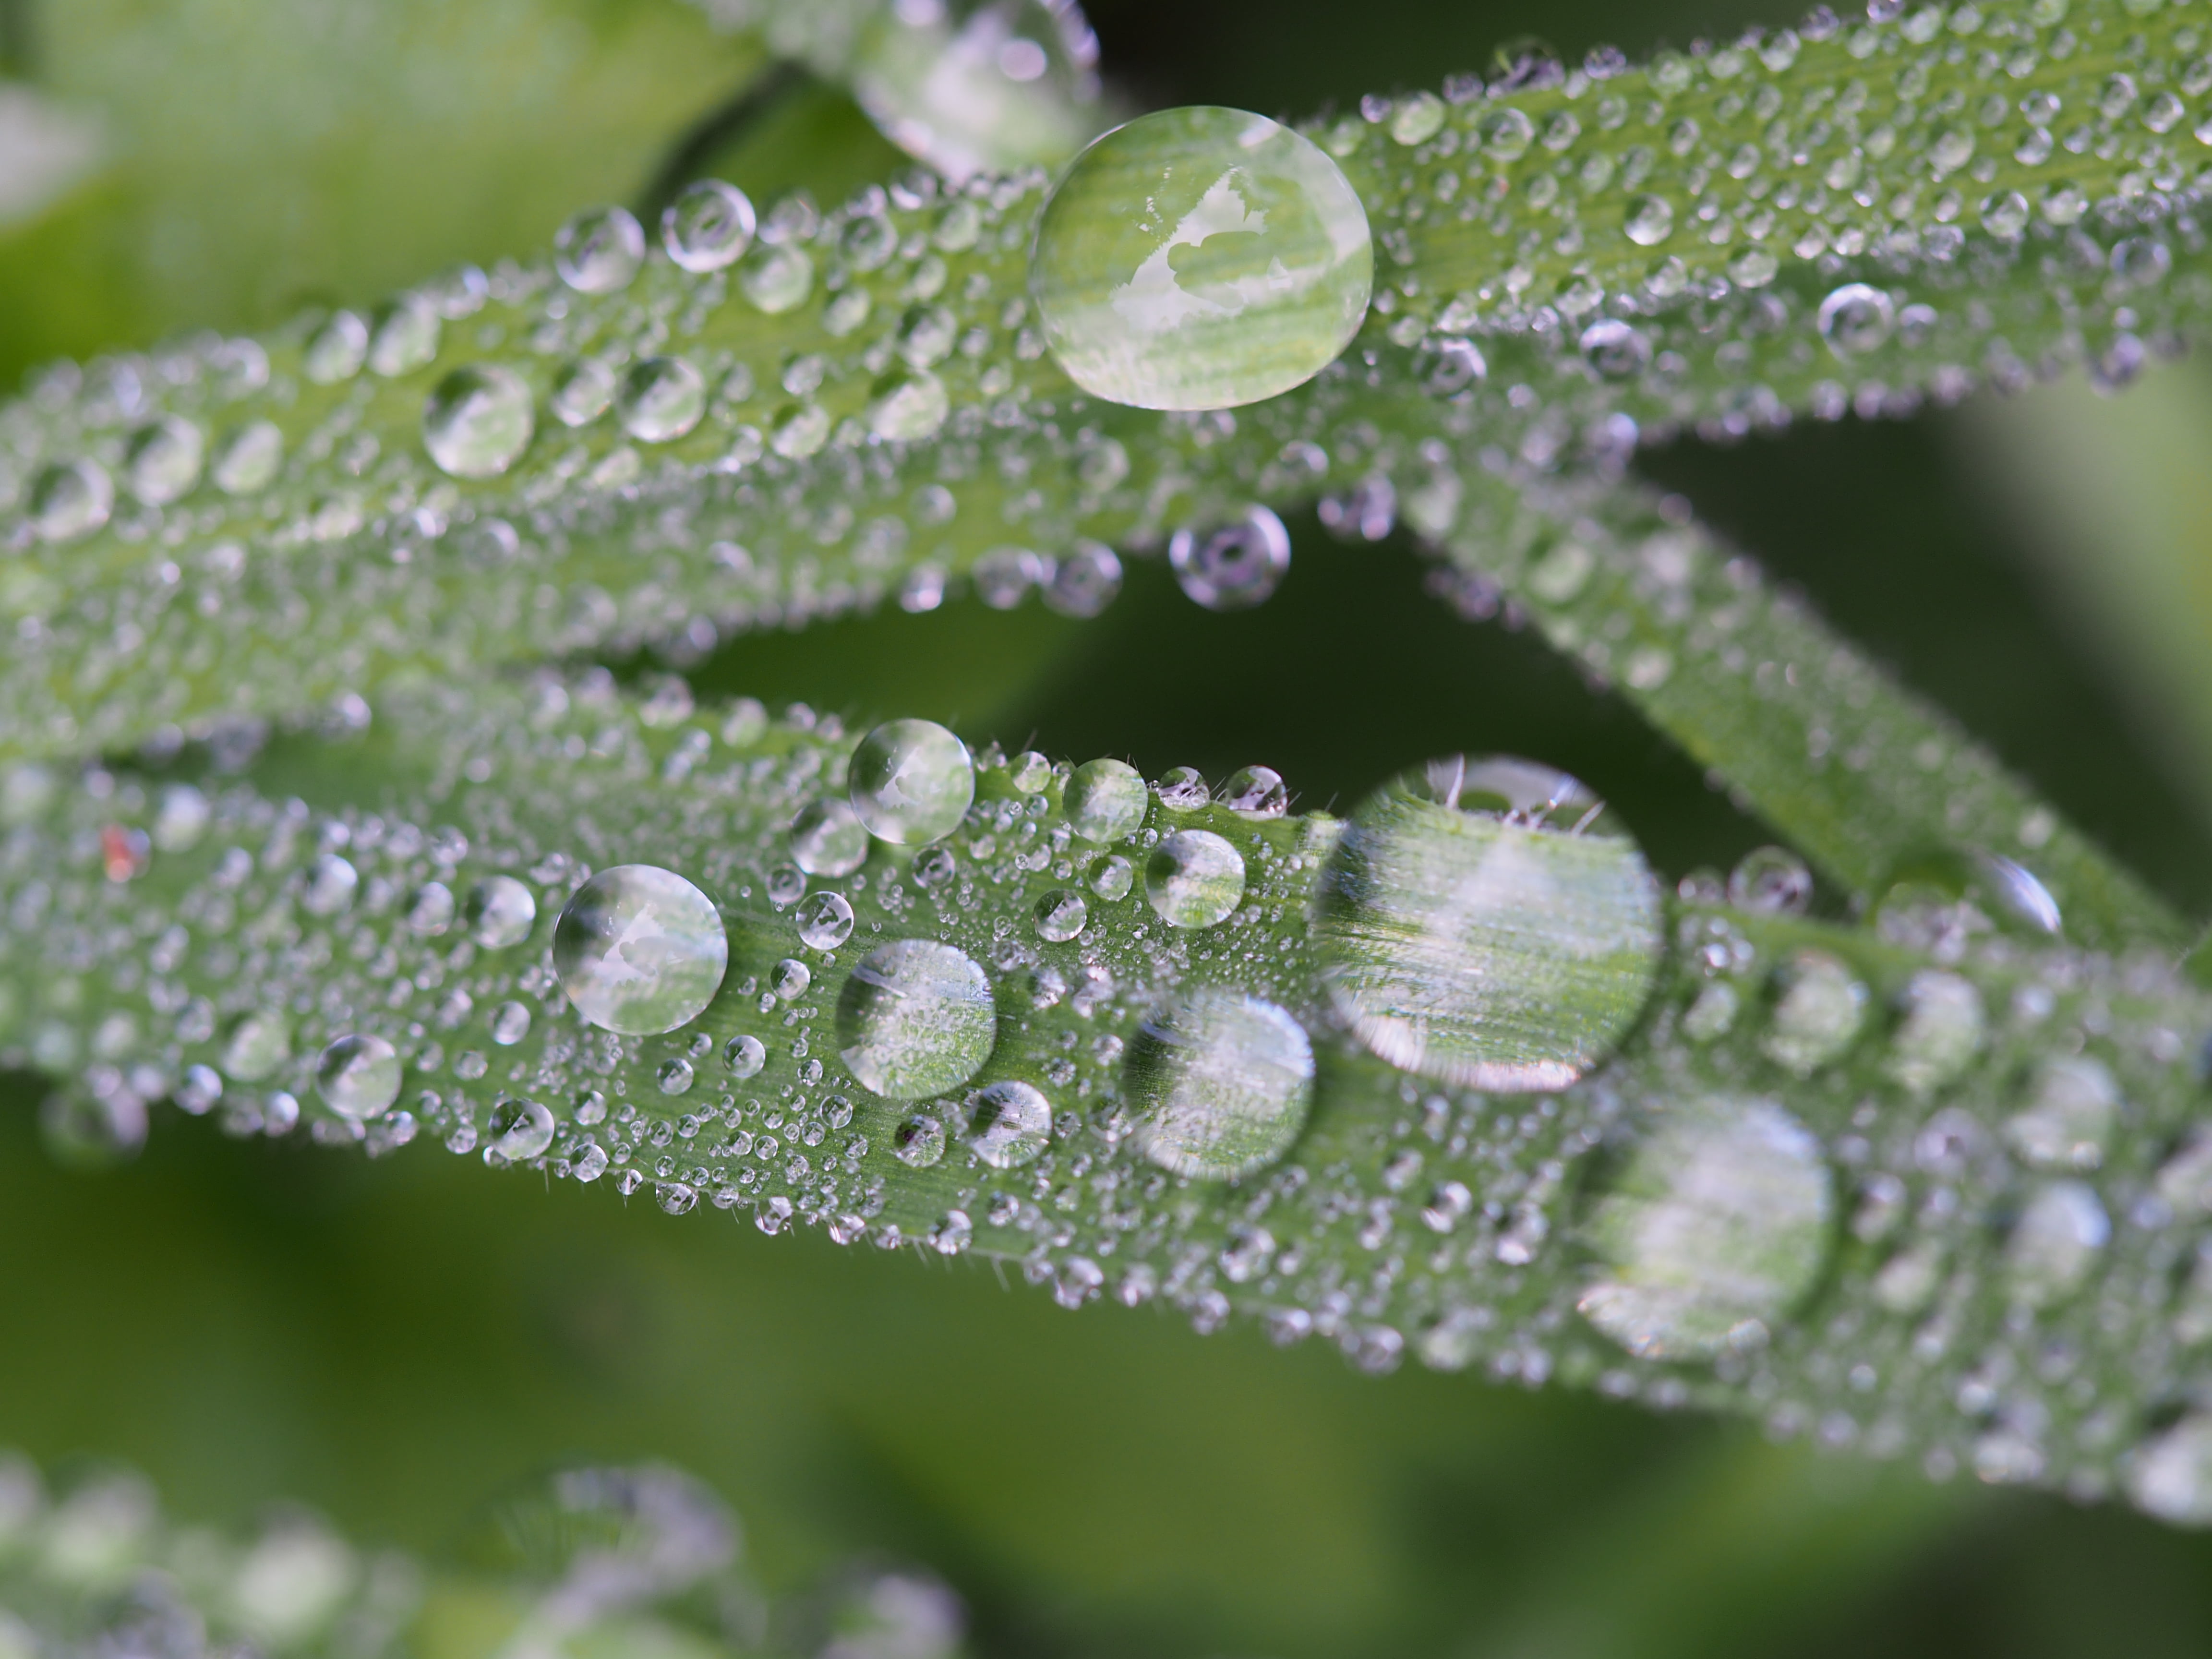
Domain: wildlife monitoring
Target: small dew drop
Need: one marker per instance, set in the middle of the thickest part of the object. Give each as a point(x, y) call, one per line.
point(1222, 1083)
point(825, 921)
point(1106, 800)
point(500, 912)
point(662, 399)
point(1009, 1124)
point(1234, 567)
point(912, 782)
point(708, 226)
point(599, 252)
point(1194, 878)
point(358, 1076)
point(477, 422)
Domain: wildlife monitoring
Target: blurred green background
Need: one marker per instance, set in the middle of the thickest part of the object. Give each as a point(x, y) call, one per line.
point(394, 1343)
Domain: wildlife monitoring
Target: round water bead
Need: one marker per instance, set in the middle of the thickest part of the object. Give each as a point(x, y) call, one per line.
point(1489, 922)
point(988, 88)
point(358, 1076)
point(1234, 567)
point(1773, 881)
point(1199, 258)
point(478, 421)
point(2071, 1118)
point(1718, 1225)
point(1939, 1033)
point(520, 1130)
point(1222, 1083)
point(599, 252)
point(501, 912)
point(1194, 878)
point(825, 921)
point(258, 1043)
point(1105, 800)
point(1085, 582)
point(918, 1142)
point(745, 1056)
point(639, 950)
point(1856, 318)
point(163, 460)
point(912, 782)
point(661, 400)
point(1256, 792)
point(1060, 916)
point(2172, 1474)
point(907, 405)
point(1817, 1015)
point(581, 392)
point(915, 1018)
point(2054, 1242)
point(829, 839)
point(249, 458)
point(708, 226)
point(71, 500)
point(777, 278)
point(1009, 1124)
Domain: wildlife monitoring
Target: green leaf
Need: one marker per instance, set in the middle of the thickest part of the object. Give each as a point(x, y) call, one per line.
point(1859, 1183)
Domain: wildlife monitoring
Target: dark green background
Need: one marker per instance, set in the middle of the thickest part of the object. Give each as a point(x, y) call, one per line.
point(393, 1343)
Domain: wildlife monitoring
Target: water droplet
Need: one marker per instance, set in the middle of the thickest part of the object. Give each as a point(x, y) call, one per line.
point(1010, 1124)
point(1222, 1083)
point(776, 278)
point(71, 500)
point(2054, 1242)
point(675, 1076)
point(1194, 878)
point(501, 912)
point(1060, 916)
point(918, 1142)
point(1857, 317)
point(661, 400)
point(582, 391)
point(1257, 792)
point(430, 909)
point(915, 1018)
point(521, 1130)
point(912, 782)
point(1244, 272)
point(163, 460)
point(358, 1076)
point(1106, 800)
point(1940, 1034)
point(478, 421)
point(1817, 1014)
point(181, 819)
point(1719, 1223)
point(745, 1056)
point(1112, 877)
point(1417, 119)
point(1771, 881)
point(2076, 1103)
point(829, 839)
point(509, 1023)
point(1087, 579)
point(1234, 567)
point(639, 950)
point(330, 885)
point(1488, 921)
point(405, 336)
point(599, 252)
point(1615, 349)
point(258, 1043)
point(708, 226)
point(2171, 1475)
point(907, 405)
point(1650, 220)
point(825, 921)
point(249, 459)
point(336, 350)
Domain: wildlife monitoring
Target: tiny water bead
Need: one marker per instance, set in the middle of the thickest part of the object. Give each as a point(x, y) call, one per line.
point(915, 1019)
point(919, 1141)
point(164, 460)
point(501, 912)
point(599, 252)
point(1194, 878)
point(1106, 800)
point(520, 1130)
point(708, 226)
point(1221, 1083)
point(639, 950)
point(661, 400)
point(911, 782)
point(1488, 921)
point(1940, 1030)
point(582, 391)
point(745, 1056)
point(777, 278)
point(358, 1076)
point(1819, 1008)
point(1717, 1226)
point(1856, 318)
point(478, 421)
point(829, 839)
point(825, 921)
point(2074, 1106)
point(1200, 258)
point(71, 500)
point(1236, 567)
point(1060, 916)
point(248, 460)
point(259, 1044)
point(1010, 1124)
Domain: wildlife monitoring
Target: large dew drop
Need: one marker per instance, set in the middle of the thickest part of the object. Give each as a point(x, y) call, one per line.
point(639, 950)
point(477, 422)
point(1719, 1223)
point(1194, 878)
point(1488, 923)
point(912, 782)
point(358, 1076)
point(1199, 258)
point(915, 1018)
point(1222, 1083)
point(1106, 799)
